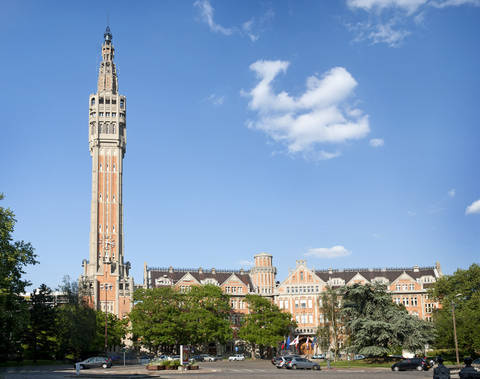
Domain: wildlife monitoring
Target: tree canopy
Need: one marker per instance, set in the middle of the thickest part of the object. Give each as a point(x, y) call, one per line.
point(14, 257)
point(265, 325)
point(163, 318)
point(462, 289)
point(376, 326)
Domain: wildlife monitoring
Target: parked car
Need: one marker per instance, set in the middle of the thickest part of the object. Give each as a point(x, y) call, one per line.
point(282, 362)
point(318, 356)
point(236, 357)
point(476, 363)
point(357, 357)
point(173, 358)
point(304, 363)
point(104, 362)
point(275, 360)
point(418, 364)
point(208, 358)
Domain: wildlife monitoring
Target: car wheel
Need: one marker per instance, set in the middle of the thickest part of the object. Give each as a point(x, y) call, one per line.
point(316, 367)
point(104, 365)
point(82, 367)
point(419, 368)
point(396, 368)
point(279, 366)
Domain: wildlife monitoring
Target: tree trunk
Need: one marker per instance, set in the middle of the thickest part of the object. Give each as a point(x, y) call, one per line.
point(253, 350)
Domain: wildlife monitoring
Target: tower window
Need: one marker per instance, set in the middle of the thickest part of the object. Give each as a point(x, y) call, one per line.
point(107, 114)
point(100, 114)
point(122, 103)
point(100, 100)
point(114, 114)
point(107, 101)
point(114, 101)
point(92, 102)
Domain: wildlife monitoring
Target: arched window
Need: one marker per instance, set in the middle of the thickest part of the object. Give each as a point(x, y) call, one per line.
point(93, 101)
point(122, 103)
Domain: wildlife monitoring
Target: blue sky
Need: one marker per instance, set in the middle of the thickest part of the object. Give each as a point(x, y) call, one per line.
point(341, 132)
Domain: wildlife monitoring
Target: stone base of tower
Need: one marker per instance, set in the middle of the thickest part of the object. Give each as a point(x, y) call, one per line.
point(105, 290)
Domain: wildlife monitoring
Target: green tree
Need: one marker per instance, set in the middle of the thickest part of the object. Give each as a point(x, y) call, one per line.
point(463, 289)
point(265, 325)
point(40, 336)
point(163, 318)
point(75, 324)
point(330, 333)
point(14, 257)
point(204, 316)
point(377, 326)
point(155, 318)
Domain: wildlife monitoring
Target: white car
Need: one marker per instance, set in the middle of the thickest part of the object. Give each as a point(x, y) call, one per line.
point(236, 357)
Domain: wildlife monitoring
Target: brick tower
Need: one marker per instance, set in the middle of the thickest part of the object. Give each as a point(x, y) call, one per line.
point(105, 280)
point(263, 274)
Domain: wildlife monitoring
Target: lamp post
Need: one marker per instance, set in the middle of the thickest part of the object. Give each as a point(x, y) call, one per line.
point(455, 329)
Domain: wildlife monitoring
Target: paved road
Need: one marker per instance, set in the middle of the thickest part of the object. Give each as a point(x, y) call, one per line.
point(214, 370)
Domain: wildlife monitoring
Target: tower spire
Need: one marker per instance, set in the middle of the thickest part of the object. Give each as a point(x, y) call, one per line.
point(107, 35)
point(107, 75)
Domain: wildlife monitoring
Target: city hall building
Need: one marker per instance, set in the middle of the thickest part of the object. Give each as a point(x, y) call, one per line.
point(301, 292)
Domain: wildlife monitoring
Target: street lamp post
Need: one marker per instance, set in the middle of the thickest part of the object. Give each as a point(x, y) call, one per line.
point(455, 328)
point(455, 333)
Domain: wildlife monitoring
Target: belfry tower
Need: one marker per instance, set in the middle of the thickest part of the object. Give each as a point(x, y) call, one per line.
point(105, 282)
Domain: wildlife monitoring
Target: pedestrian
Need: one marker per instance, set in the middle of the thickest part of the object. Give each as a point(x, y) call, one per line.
point(468, 372)
point(441, 372)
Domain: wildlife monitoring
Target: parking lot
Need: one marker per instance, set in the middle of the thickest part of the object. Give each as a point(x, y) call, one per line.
point(221, 369)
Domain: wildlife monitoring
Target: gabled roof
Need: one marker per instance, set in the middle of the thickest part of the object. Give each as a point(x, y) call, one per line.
point(176, 274)
point(391, 274)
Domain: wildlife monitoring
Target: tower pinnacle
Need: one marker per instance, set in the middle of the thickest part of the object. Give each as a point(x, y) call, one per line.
point(107, 35)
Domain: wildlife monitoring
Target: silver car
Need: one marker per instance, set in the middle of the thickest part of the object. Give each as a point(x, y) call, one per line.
point(304, 363)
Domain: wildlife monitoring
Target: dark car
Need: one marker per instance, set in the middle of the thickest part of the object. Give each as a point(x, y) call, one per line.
point(95, 362)
point(297, 362)
point(418, 364)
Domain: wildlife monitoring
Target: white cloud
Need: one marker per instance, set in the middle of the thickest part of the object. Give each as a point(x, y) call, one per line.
point(473, 208)
point(378, 5)
point(390, 19)
point(246, 263)
point(376, 142)
point(206, 12)
point(321, 115)
point(216, 99)
point(328, 252)
point(249, 28)
point(452, 192)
